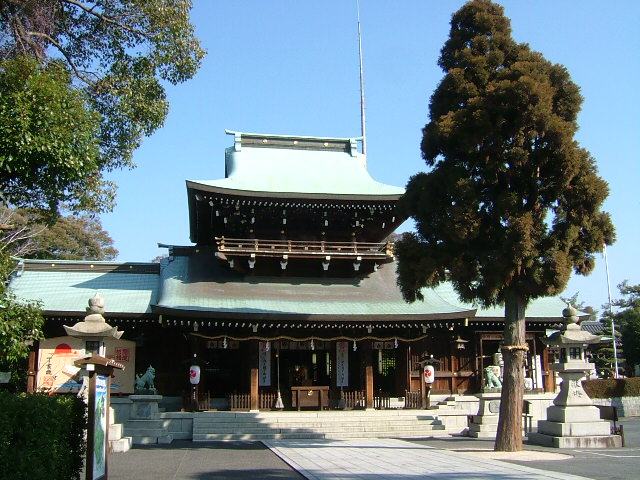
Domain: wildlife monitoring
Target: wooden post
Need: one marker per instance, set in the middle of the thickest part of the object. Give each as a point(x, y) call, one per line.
point(254, 389)
point(99, 371)
point(31, 370)
point(369, 384)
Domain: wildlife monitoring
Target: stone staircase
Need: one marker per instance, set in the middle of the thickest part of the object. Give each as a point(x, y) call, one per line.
point(118, 443)
point(209, 426)
point(144, 425)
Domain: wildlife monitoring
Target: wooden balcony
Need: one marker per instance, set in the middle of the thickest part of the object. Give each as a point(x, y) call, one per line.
point(234, 247)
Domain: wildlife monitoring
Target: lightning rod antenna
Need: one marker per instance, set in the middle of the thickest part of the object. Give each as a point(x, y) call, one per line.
point(363, 123)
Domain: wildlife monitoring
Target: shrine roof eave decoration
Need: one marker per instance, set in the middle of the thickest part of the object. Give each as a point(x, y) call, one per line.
point(254, 197)
point(289, 319)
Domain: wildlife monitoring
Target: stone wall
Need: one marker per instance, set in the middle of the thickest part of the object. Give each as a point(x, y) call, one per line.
point(454, 415)
point(627, 406)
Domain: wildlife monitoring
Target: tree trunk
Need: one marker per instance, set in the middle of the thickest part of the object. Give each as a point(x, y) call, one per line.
point(509, 435)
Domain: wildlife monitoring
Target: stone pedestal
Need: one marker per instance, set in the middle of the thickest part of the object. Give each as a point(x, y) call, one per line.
point(485, 423)
point(573, 421)
point(145, 425)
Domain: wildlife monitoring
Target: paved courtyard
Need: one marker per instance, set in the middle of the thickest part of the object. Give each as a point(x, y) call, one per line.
point(448, 458)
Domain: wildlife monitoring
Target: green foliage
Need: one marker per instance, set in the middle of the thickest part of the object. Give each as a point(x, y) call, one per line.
point(41, 437)
point(20, 323)
point(73, 237)
point(603, 353)
point(611, 387)
point(511, 203)
point(83, 83)
point(628, 321)
point(48, 149)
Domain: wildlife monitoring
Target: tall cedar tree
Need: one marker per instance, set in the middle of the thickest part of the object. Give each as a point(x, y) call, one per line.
point(82, 83)
point(511, 204)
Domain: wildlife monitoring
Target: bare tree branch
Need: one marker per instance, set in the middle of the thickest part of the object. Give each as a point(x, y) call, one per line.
point(105, 18)
point(79, 73)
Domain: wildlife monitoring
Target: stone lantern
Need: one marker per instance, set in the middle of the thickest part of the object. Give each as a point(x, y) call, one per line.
point(94, 329)
point(97, 371)
point(573, 421)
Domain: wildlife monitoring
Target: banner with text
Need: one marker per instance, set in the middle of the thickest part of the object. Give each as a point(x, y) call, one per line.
point(264, 362)
point(342, 364)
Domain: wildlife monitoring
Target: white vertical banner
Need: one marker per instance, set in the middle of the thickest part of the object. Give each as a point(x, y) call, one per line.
point(537, 379)
point(342, 364)
point(264, 364)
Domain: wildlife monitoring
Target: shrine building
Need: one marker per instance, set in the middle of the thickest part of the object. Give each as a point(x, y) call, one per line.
point(290, 282)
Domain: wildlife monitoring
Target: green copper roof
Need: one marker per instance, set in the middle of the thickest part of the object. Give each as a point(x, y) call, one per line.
point(271, 165)
point(201, 283)
point(540, 308)
point(66, 286)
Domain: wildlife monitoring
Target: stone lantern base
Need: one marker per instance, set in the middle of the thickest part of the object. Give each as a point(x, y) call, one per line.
point(574, 422)
point(574, 427)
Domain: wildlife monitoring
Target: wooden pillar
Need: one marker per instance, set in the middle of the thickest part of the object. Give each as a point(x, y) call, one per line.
point(31, 370)
point(424, 392)
point(369, 384)
point(548, 374)
point(334, 391)
point(253, 376)
point(480, 365)
point(407, 359)
point(254, 389)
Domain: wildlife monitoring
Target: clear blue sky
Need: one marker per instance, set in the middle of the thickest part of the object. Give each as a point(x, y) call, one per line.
point(291, 67)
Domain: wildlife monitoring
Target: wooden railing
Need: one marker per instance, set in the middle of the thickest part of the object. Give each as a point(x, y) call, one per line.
point(351, 399)
point(302, 248)
point(202, 403)
point(242, 401)
point(381, 400)
point(412, 399)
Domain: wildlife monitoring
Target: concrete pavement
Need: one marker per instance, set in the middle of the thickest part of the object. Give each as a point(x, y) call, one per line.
point(391, 459)
point(359, 459)
point(447, 458)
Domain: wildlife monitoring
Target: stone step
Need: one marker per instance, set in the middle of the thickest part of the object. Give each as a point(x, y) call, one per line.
point(315, 413)
point(324, 416)
point(208, 437)
point(145, 424)
point(281, 425)
point(115, 431)
point(325, 429)
point(145, 432)
point(315, 423)
point(121, 445)
point(151, 439)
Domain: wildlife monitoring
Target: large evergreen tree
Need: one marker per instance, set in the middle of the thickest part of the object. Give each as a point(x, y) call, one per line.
point(511, 205)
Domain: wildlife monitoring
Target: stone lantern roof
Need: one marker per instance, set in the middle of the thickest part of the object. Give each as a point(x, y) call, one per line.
point(94, 324)
point(571, 333)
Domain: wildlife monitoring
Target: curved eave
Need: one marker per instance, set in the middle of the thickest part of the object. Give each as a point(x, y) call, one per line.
point(283, 317)
point(107, 315)
point(204, 188)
